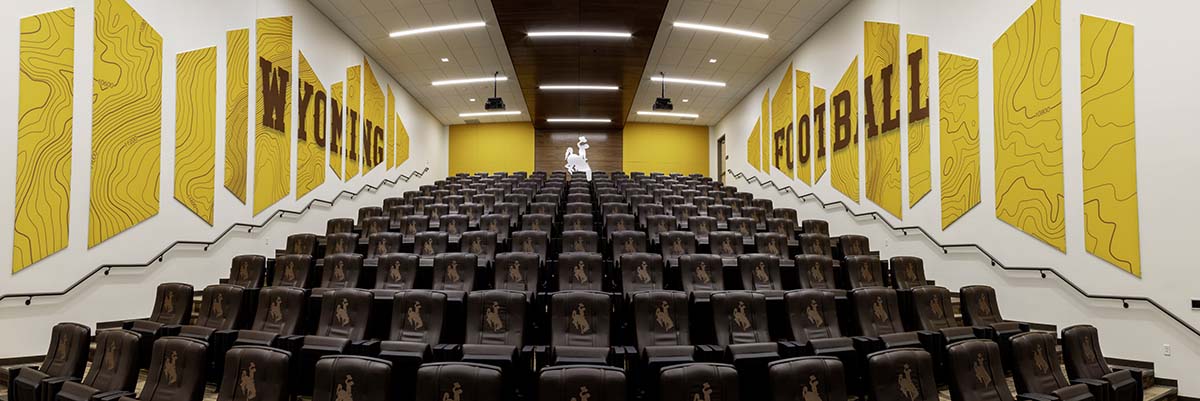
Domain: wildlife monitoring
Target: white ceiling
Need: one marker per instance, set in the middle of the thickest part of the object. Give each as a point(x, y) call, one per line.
point(414, 61)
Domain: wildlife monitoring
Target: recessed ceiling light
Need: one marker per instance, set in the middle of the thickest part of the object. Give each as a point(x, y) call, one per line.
point(469, 80)
point(712, 61)
point(578, 87)
point(720, 29)
point(686, 81)
point(489, 114)
point(594, 34)
point(437, 28)
point(445, 60)
point(685, 100)
point(666, 114)
point(578, 120)
point(471, 99)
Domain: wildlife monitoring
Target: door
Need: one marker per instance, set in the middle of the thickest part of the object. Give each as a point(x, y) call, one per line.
point(721, 159)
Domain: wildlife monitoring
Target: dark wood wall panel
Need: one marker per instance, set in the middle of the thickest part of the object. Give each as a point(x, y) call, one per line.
point(550, 148)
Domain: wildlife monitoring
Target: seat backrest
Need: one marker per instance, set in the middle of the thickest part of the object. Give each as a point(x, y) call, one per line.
point(702, 225)
point(68, 352)
point(807, 378)
point(396, 271)
point(760, 271)
point(976, 373)
point(853, 244)
point(677, 243)
point(545, 207)
point(613, 204)
point(454, 224)
point(339, 225)
point(255, 373)
point(418, 316)
point(172, 304)
point(641, 271)
point(616, 222)
point(699, 381)
point(383, 243)
point(396, 213)
point(510, 209)
point(488, 201)
point(482, 244)
point(578, 203)
point(412, 225)
point(292, 271)
point(740, 317)
point(815, 271)
point(301, 244)
point(863, 271)
point(580, 241)
point(341, 270)
point(580, 271)
point(661, 318)
point(221, 307)
point(701, 272)
point(459, 381)
point(352, 378)
point(907, 272)
point(684, 212)
point(496, 317)
point(430, 243)
point(473, 211)
point(531, 241)
point(628, 241)
point(903, 374)
point(812, 314)
point(932, 308)
point(537, 222)
point(726, 244)
point(1082, 354)
point(115, 363)
point(247, 270)
point(578, 222)
point(720, 212)
point(454, 271)
point(436, 211)
point(580, 318)
point(581, 383)
point(784, 227)
point(517, 271)
point(389, 203)
point(279, 310)
point(177, 370)
point(367, 212)
point(658, 224)
point(496, 223)
point(375, 224)
point(340, 243)
point(815, 244)
point(757, 214)
point(345, 313)
point(765, 204)
point(979, 306)
point(1035, 367)
point(772, 244)
point(786, 213)
point(742, 225)
point(877, 311)
point(454, 201)
point(669, 202)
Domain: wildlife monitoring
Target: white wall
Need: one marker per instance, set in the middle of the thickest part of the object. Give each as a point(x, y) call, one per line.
point(1164, 82)
point(184, 25)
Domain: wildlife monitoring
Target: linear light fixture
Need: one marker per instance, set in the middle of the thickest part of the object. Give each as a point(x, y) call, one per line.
point(490, 113)
point(437, 28)
point(578, 87)
point(586, 34)
point(720, 29)
point(469, 80)
point(656, 78)
point(666, 114)
point(578, 120)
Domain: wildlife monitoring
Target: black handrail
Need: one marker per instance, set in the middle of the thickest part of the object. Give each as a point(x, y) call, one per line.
point(249, 228)
point(946, 248)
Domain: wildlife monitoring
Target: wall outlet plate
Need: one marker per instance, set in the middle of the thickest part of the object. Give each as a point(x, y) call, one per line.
point(1196, 304)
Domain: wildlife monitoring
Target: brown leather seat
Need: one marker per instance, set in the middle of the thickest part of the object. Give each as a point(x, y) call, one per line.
point(645, 210)
point(1036, 371)
point(683, 212)
point(613, 204)
point(222, 309)
point(907, 272)
point(853, 244)
point(576, 203)
point(114, 372)
point(383, 243)
point(703, 203)
point(367, 212)
point(816, 272)
point(784, 227)
point(495, 329)
point(641, 271)
point(301, 244)
point(760, 273)
point(980, 310)
point(756, 214)
point(774, 244)
point(342, 270)
point(435, 212)
point(497, 224)
point(721, 212)
point(813, 318)
point(292, 271)
point(64, 361)
point(905, 374)
point(676, 244)
point(172, 309)
point(580, 324)
point(375, 224)
point(430, 243)
point(397, 213)
point(341, 243)
point(256, 373)
point(786, 213)
point(807, 378)
point(510, 209)
point(669, 202)
point(578, 222)
point(815, 244)
point(741, 328)
point(862, 271)
point(247, 270)
point(617, 222)
point(742, 225)
point(410, 226)
point(454, 224)
point(416, 328)
point(580, 271)
point(521, 200)
point(660, 321)
point(933, 312)
point(454, 274)
point(877, 314)
point(765, 204)
point(812, 226)
point(349, 377)
point(482, 244)
point(473, 211)
point(701, 274)
point(339, 225)
point(488, 201)
point(546, 208)
point(699, 381)
point(176, 371)
point(726, 244)
point(278, 315)
point(658, 224)
point(459, 381)
point(389, 203)
point(702, 226)
point(624, 242)
point(343, 320)
point(593, 383)
point(454, 201)
point(976, 372)
point(1086, 364)
point(518, 271)
point(580, 241)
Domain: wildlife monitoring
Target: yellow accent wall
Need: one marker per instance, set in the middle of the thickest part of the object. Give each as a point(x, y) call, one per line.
point(491, 147)
point(666, 148)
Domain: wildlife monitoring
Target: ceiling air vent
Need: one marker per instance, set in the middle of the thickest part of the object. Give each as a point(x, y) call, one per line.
point(472, 121)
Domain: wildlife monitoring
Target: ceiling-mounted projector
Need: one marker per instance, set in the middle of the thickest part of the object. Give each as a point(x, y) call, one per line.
point(494, 103)
point(663, 104)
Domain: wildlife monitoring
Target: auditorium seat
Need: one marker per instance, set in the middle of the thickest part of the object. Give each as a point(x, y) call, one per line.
point(786, 213)
point(278, 316)
point(682, 213)
point(699, 381)
point(255, 373)
point(580, 324)
point(981, 310)
point(341, 270)
point(931, 315)
point(172, 309)
point(473, 211)
point(301, 244)
point(517, 271)
point(247, 270)
point(976, 372)
point(879, 324)
point(538, 222)
point(743, 336)
point(454, 225)
point(760, 273)
point(862, 271)
point(1036, 371)
point(641, 271)
point(617, 222)
point(756, 214)
point(581, 383)
point(383, 243)
point(658, 224)
point(548, 205)
point(580, 271)
point(455, 202)
point(448, 381)
point(416, 329)
point(339, 225)
point(701, 275)
point(341, 243)
point(482, 244)
point(774, 244)
point(624, 242)
point(905, 374)
point(809, 378)
point(852, 244)
point(64, 361)
point(1086, 364)
point(351, 378)
point(293, 271)
point(577, 204)
point(113, 372)
point(815, 244)
point(675, 244)
point(176, 371)
point(782, 226)
point(367, 212)
point(580, 241)
point(495, 329)
point(430, 243)
point(435, 212)
point(375, 224)
point(613, 204)
point(645, 210)
point(341, 328)
point(742, 225)
point(907, 272)
point(721, 212)
point(223, 309)
point(454, 274)
point(702, 226)
point(726, 244)
point(578, 222)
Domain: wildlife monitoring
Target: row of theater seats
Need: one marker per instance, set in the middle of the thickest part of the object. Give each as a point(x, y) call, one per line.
point(750, 329)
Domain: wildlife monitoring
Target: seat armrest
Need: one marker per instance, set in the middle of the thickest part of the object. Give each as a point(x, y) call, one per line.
point(111, 395)
point(793, 348)
point(537, 355)
point(1098, 388)
point(128, 324)
point(364, 347)
point(1036, 397)
point(447, 352)
point(710, 353)
point(169, 330)
point(866, 345)
point(1137, 374)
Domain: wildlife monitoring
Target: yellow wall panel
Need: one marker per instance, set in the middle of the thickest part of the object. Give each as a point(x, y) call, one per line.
point(1110, 202)
point(391, 128)
point(820, 133)
point(881, 86)
point(374, 141)
point(478, 148)
point(336, 113)
point(237, 110)
point(765, 133)
point(804, 127)
point(844, 129)
point(44, 129)
point(351, 118)
point(272, 141)
point(753, 149)
point(401, 141)
point(919, 170)
point(782, 129)
point(196, 130)
point(666, 148)
point(1027, 88)
point(311, 134)
point(959, 121)
point(126, 121)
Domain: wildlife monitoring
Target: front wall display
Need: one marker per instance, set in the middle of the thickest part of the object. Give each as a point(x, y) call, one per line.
point(959, 123)
point(844, 133)
point(881, 86)
point(272, 134)
point(196, 130)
